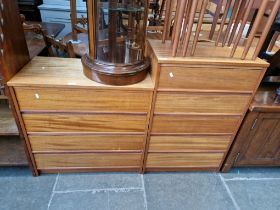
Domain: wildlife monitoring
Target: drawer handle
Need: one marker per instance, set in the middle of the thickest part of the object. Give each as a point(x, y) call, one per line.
point(171, 75)
point(37, 96)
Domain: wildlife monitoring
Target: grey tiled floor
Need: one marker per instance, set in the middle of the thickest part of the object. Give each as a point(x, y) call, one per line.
point(240, 189)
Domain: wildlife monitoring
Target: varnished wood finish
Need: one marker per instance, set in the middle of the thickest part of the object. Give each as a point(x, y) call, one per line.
point(84, 123)
point(198, 106)
point(257, 142)
point(74, 143)
point(60, 72)
point(189, 143)
point(184, 160)
point(71, 122)
point(14, 53)
point(82, 100)
point(201, 103)
point(194, 124)
point(87, 160)
point(214, 78)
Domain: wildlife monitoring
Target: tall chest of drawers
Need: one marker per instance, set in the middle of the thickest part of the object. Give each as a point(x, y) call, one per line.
point(73, 124)
point(198, 106)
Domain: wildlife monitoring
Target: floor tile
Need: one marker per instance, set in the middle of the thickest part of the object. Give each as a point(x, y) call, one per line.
point(25, 200)
point(249, 173)
point(20, 190)
point(80, 201)
point(98, 181)
point(256, 195)
point(130, 200)
point(181, 191)
point(21, 179)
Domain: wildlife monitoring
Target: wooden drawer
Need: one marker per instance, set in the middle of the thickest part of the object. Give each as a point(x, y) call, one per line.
point(177, 77)
point(172, 102)
point(185, 160)
point(194, 124)
point(84, 123)
point(87, 160)
point(53, 99)
point(86, 143)
point(189, 143)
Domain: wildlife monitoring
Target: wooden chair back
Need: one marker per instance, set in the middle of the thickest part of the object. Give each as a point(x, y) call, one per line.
point(56, 48)
point(79, 24)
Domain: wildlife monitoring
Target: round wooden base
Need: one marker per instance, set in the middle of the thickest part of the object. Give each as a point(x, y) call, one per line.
point(115, 74)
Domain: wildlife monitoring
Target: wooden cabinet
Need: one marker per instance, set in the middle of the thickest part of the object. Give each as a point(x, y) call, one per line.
point(74, 124)
point(13, 56)
point(198, 106)
point(257, 143)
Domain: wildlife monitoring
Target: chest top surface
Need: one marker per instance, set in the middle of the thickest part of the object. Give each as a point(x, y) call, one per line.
point(206, 54)
point(62, 72)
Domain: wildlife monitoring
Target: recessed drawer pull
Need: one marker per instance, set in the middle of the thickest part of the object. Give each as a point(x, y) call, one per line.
point(37, 96)
point(171, 75)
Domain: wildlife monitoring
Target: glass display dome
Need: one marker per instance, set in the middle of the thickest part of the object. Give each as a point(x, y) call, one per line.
point(117, 31)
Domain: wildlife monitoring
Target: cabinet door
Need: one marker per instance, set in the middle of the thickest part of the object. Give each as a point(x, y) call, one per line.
point(262, 147)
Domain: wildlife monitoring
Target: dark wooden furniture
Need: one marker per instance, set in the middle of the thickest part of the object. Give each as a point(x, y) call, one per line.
point(30, 9)
point(257, 143)
point(35, 41)
point(13, 55)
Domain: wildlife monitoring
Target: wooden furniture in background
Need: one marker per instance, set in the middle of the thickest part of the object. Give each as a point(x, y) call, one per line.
point(13, 55)
point(34, 35)
point(184, 24)
point(57, 48)
point(257, 143)
point(98, 127)
point(30, 9)
point(198, 105)
point(79, 24)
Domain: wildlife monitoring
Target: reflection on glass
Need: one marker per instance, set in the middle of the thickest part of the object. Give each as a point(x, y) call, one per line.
point(120, 31)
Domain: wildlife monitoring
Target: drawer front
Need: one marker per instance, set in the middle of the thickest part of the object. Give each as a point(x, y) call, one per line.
point(189, 143)
point(168, 102)
point(187, 160)
point(208, 78)
point(87, 160)
point(84, 123)
point(194, 124)
point(50, 99)
point(86, 143)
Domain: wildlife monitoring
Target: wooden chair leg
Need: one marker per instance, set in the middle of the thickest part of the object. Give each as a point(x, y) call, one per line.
point(190, 25)
point(254, 28)
point(273, 41)
point(267, 28)
point(239, 17)
point(215, 19)
point(241, 29)
point(223, 21)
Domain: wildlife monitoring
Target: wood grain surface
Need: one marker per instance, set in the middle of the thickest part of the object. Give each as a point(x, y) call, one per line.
point(189, 143)
point(71, 99)
point(86, 160)
point(86, 143)
point(194, 124)
point(186, 160)
point(180, 103)
point(84, 123)
point(208, 78)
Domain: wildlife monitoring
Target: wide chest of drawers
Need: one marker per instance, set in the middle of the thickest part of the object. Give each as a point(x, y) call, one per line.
point(198, 106)
point(73, 124)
